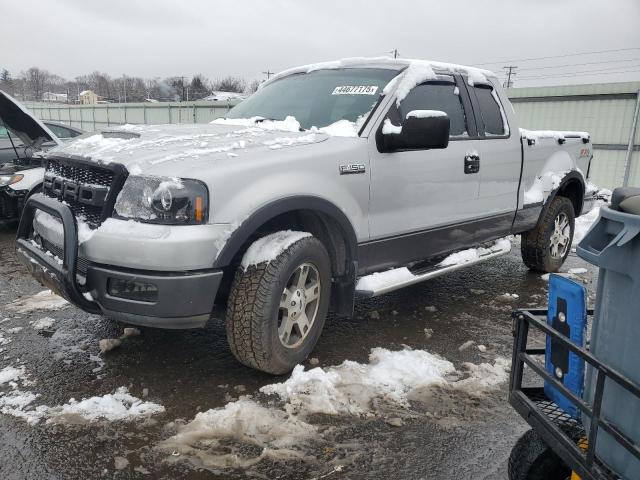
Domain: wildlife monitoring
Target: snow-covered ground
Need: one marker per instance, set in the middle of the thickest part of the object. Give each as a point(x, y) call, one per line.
point(351, 388)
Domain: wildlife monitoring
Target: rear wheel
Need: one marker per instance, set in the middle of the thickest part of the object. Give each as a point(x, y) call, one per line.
point(276, 310)
point(546, 247)
point(532, 459)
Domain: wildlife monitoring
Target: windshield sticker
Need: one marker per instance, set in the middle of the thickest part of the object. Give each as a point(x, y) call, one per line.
point(355, 90)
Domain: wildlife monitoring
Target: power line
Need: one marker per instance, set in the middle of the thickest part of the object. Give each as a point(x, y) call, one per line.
point(582, 64)
point(583, 72)
point(559, 56)
point(577, 75)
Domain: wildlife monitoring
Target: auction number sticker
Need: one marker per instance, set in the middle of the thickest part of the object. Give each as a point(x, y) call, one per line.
point(355, 90)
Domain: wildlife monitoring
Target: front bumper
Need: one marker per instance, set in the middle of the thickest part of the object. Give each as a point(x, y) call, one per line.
point(183, 300)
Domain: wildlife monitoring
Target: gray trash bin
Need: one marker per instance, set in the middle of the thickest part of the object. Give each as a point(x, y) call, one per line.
point(613, 244)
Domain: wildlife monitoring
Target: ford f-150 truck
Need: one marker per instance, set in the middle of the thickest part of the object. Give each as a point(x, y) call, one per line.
point(353, 177)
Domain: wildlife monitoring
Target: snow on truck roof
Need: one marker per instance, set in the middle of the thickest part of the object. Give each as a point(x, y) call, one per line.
point(414, 68)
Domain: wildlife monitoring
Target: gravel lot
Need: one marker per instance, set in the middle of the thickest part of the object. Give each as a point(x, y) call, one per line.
point(440, 433)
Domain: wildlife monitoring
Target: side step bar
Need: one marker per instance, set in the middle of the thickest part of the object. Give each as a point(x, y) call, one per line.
point(383, 282)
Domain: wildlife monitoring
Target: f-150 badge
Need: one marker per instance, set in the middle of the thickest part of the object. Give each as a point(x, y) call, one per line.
point(352, 168)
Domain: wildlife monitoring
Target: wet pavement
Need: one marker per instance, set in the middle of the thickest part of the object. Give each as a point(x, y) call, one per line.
point(443, 435)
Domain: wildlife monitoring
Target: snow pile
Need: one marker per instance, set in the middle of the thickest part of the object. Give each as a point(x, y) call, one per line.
point(117, 406)
point(42, 324)
point(542, 185)
point(289, 124)
point(343, 128)
point(280, 142)
point(584, 223)
point(351, 387)
point(45, 300)
point(483, 377)
point(17, 404)
point(472, 254)
point(414, 75)
point(269, 247)
point(97, 144)
point(12, 374)
point(244, 420)
point(379, 280)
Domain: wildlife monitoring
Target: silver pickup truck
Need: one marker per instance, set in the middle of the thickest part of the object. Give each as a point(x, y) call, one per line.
point(334, 180)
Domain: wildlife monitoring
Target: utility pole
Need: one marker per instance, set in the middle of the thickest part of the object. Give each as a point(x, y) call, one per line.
point(268, 73)
point(395, 53)
point(511, 72)
point(182, 83)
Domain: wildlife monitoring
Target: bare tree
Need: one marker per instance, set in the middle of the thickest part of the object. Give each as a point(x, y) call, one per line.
point(199, 87)
point(35, 82)
point(253, 86)
point(230, 84)
point(6, 82)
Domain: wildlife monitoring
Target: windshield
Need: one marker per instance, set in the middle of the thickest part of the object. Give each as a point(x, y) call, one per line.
point(318, 98)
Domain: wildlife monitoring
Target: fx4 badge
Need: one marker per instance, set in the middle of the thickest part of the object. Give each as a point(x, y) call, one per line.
point(352, 168)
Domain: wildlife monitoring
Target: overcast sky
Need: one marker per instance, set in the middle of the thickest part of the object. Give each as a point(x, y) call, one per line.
point(246, 37)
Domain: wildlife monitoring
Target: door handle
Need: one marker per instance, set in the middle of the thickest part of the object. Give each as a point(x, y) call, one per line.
point(471, 163)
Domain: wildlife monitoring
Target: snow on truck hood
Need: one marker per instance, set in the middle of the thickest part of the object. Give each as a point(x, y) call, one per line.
point(148, 148)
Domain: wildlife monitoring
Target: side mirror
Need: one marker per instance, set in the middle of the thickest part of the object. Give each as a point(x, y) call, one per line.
point(421, 130)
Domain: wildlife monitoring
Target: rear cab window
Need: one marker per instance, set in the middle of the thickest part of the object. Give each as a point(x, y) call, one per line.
point(491, 112)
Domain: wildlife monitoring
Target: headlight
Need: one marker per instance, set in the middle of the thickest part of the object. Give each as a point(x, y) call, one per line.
point(10, 179)
point(168, 201)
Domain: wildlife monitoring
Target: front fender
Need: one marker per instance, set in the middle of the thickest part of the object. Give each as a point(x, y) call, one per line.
point(261, 216)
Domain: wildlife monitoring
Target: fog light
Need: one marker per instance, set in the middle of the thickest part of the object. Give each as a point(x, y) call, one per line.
point(139, 291)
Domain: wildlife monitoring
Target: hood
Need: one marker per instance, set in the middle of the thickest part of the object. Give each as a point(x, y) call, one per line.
point(179, 150)
point(20, 123)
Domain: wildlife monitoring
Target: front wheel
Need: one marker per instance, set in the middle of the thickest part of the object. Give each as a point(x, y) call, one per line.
point(546, 247)
point(276, 309)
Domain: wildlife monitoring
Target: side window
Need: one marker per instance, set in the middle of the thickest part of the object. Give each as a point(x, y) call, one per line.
point(3, 133)
point(492, 116)
point(441, 96)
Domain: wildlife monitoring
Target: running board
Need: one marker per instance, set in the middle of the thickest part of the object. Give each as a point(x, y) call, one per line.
point(383, 282)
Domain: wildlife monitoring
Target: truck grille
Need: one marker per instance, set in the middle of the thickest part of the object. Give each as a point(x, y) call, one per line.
point(89, 190)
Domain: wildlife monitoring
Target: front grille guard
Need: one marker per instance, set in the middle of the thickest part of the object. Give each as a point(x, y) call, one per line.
point(546, 418)
point(61, 278)
point(71, 190)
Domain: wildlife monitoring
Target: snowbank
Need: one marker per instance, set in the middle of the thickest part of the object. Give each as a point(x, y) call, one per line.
point(584, 223)
point(269, 247)
point(351, 388)
point(45, 300)
point(117, 406)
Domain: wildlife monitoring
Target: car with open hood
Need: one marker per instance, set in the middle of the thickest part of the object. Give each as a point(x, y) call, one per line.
point(22, 139)
point(336, 180)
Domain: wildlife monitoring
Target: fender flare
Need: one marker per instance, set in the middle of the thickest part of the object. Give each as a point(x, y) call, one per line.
point(267, 212)
point(569, 177)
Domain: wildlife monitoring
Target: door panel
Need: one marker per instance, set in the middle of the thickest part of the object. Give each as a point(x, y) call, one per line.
point(417, 190)
point(422, 189)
